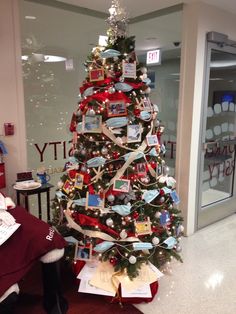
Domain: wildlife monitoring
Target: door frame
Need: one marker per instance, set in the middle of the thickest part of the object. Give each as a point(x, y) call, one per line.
point(202, 218)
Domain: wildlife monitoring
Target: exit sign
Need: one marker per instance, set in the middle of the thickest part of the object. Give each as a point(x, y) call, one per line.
point(154, 57)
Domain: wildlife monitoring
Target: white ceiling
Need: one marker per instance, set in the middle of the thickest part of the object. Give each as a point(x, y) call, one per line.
point(139, 7)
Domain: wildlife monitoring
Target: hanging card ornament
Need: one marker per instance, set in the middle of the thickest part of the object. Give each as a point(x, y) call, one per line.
point(175, 197)
point(143, 227)
point(96, 75)
point(129, 69)
point(116, 108)
point(94, 201)
point(67, 187)
point(164, 218)
point(92, 124)
point(79, 179)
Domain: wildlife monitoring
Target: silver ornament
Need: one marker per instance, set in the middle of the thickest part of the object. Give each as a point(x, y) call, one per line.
point(132, 259)
point(104, 150)
point(178, 248)
point(155, 240)
point(109, 222)
point(83, 151)
point(83, 168)
point(162, 199)
point(111, 90)
point(157, 215)
point(123, 234)
point(91, 112)
point(111, 198)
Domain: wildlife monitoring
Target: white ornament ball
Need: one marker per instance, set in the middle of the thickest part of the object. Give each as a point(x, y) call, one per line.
point(155, 241)
point(104, 150)
point(157, 215)
point(143, 69)
point(162, 199)
point(111, 90)
point(123, 234)
point(79, 113)
point(109, 222)
point(181, 228)
point(178, 248)
point(83, 168)
point(83, 152)
point(144, 76)
point(111, 198)
point(132, 259)
point(91, 112)
point(148, 90)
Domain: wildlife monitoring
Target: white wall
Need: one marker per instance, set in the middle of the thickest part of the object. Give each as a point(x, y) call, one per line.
point(198, 19)
point(11, 91)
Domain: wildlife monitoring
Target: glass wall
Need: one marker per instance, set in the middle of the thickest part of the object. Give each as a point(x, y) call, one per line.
point(53, 52)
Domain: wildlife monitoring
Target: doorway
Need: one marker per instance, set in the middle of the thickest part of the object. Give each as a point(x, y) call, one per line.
point(217, 193)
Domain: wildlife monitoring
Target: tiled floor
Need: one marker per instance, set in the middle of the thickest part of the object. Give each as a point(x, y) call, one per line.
point(206, 282)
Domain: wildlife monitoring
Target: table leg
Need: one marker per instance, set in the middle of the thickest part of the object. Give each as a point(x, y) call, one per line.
point(26, 202)
point(39, 204)
point(18, 198)
point(48, 205)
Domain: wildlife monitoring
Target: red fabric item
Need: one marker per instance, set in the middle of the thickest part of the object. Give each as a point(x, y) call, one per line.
point(33, 239)
point(77, 267)
point(85, 220)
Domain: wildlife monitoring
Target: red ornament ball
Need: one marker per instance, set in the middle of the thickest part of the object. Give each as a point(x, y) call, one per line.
point(135, 215)
point(162, 192)
point(113, 261)
point(116, 155)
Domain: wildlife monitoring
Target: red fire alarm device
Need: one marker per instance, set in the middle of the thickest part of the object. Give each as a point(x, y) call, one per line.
point(9, 128)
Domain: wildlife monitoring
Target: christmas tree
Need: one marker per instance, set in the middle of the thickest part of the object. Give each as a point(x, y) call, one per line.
point(116, 196)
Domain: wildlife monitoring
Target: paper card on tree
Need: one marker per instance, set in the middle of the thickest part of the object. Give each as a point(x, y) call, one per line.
point(86, 287)
point(146, 276)
point(103, 277)
point(141, 292)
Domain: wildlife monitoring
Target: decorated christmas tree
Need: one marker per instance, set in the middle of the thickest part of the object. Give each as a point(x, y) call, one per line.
point(116, 197)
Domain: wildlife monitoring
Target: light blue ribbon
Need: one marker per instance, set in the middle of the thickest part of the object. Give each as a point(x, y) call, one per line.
point(110, 53)
point(96, 162)
point(80, 201)
point(142, 246)
point(153, 152)
point(138, 156)
point(170, 242)
point(88, 92)
point(103, 246)
point(145, 115)
point(123, 87)
point(117, 122)
point(122, 210)
point(150, 195)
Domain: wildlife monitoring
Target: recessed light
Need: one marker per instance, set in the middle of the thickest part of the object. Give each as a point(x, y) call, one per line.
point(36, 57)
point(222, 64)
point(30, 17)
point(50, 58)
point(150, 38)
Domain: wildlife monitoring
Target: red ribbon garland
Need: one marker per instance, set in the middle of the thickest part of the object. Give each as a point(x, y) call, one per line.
point(85, 220)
